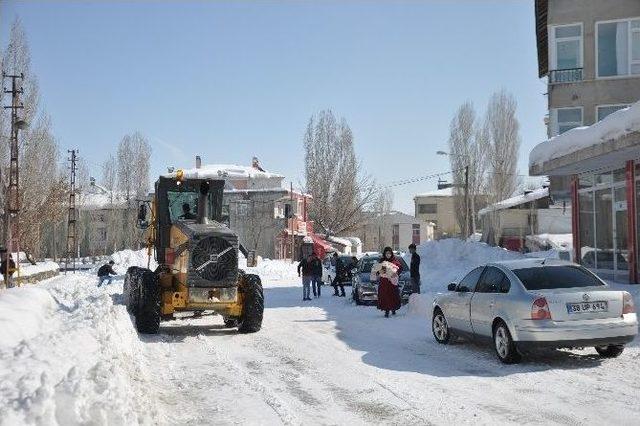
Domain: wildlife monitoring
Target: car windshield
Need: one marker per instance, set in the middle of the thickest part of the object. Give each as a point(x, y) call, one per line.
point(550, 277)
point(366, 263)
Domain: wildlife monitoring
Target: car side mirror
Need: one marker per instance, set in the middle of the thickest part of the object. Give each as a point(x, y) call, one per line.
point(452, 287)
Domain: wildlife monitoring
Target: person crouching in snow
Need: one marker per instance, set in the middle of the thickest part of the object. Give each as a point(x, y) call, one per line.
point(386, 271)
point(105, 272)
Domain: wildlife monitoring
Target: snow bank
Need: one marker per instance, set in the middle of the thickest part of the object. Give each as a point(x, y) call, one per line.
point(69, 355)
point(23, 312)
point(27, 269)
point(614, 126)
point(446, 261)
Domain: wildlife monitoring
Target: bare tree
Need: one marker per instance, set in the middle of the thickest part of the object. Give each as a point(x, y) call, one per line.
point(42, 184)
point(134, 153)
point(333, 175)
point(468, 148)
point(109, 181)
point(503, 131)
point(503, 141)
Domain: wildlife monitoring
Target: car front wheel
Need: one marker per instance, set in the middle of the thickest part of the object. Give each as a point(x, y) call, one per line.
point(504, 345)
point(611, 351)
point(440, 327)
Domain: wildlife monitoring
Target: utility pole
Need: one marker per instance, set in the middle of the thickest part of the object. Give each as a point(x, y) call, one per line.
point(12, 208)
point(71, 221)
point(466, 201)
point(293, 238)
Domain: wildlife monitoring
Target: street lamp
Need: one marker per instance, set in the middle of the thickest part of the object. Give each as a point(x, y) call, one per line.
point(466, 188)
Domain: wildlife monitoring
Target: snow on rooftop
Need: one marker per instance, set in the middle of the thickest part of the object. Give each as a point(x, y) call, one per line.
point(536, 194)
point(342, 241)
point(614, 126)
point(446, 192)
point(225, 171)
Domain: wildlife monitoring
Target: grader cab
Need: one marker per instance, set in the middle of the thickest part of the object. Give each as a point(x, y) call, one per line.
point(197, 259)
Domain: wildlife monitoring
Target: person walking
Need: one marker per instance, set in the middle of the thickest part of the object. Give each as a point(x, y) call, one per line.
point(316, 271)
point(341, 271)
point(105, 272)
point(386, 271)
point(414, 268)
point(305, 270)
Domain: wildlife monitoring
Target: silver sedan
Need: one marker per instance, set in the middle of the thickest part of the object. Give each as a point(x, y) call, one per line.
point(535, 303)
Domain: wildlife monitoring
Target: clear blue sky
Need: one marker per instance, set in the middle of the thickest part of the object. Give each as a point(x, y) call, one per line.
point(232, 80)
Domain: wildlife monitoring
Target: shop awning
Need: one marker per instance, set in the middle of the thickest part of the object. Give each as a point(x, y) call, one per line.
point(320, 246)
point(606, 144)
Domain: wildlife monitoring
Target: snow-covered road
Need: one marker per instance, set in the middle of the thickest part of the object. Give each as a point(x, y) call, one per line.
point(320, 362)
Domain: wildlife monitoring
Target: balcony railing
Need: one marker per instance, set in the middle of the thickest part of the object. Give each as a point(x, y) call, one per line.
point(571, 75)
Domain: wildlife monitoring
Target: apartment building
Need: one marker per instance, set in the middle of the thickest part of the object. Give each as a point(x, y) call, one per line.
point(590, 52)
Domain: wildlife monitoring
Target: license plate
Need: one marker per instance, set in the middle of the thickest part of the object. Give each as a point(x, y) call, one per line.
point(586, 307)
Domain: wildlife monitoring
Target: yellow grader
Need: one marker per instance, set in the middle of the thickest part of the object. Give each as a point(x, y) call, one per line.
point(197, 259)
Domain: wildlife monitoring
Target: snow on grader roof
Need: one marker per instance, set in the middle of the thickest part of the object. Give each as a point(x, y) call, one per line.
point(223, 171)
point(616, 125)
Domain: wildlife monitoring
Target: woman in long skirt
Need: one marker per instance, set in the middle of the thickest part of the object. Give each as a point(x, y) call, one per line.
point(387, 273)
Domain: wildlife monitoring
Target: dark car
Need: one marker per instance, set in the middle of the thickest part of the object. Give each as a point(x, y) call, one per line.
point(329, 269)
point(365, 291)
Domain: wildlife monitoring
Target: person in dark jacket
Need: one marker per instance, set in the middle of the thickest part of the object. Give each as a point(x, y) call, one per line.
point(105, 272)
point(316, 271)
point(414, 268)
point(186, 212)
point(341, 271)
point(306, 268)
point(7, 272)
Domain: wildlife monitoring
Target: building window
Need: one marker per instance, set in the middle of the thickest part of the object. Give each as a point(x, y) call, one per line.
point(565, 119)
point(618, 48)
point(415, 233)
point(605, 110)
point(395, 236)
point(427, 208)
point(566, 47)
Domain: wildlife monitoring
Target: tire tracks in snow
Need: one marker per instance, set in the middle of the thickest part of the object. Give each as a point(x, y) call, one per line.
point(266, 393)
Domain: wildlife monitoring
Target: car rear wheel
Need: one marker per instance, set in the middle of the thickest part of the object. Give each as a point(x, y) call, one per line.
point(504, 345)
point(611, 351)
point(440, 327)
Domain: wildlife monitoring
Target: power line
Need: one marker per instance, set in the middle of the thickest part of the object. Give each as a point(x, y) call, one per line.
point(418, 179)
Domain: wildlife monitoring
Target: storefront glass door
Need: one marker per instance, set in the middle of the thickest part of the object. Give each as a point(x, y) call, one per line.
point(621, 228)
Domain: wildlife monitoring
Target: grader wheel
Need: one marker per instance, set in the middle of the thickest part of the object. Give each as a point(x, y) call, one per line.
point(253, 304)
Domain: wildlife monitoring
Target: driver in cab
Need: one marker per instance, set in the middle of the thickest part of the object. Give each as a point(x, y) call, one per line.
point(186, 212)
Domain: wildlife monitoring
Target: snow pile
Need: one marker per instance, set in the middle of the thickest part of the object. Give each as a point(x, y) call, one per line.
point(557, 241)
point(614, 126)
point(72, 357)
point(23, 312)
point(127, 258)
point(448, 260)
point(267, 269)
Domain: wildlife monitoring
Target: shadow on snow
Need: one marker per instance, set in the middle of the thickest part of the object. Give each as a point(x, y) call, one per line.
point(405, 342)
